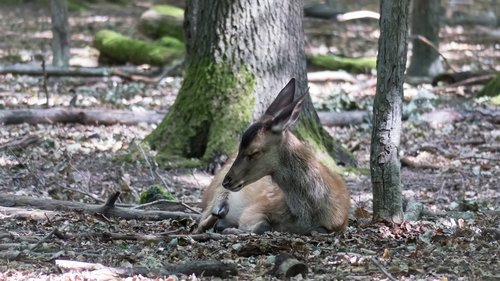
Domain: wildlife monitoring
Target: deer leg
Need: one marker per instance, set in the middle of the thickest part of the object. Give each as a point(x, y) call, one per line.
point(253, 219)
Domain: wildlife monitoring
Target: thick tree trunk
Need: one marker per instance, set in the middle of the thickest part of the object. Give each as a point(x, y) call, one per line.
point(387, 112)
point(240, 54)
point(425, 22)
point(60, 33)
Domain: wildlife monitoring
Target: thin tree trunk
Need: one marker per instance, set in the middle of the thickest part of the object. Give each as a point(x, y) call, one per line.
point(60, 33)
point(387, 112)
point(240, 54)
point(425, 22)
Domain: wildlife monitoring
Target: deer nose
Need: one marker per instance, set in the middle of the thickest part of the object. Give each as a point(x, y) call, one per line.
point(226, 183)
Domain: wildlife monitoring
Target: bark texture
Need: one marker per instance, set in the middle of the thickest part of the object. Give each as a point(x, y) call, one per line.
point(387, 112)
point(60, 32)
point(425, 22)
point(239, 56)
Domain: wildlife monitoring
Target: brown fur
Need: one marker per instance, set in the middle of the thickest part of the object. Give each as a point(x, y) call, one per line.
point(277, 179)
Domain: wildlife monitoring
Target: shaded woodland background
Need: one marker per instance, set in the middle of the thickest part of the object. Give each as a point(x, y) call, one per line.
point(450, 156)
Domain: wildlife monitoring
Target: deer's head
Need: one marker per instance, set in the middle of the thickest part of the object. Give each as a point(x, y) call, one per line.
point(258, 153)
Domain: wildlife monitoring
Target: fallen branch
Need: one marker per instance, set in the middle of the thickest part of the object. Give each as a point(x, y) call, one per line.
point(20, 143)
point(111, 117)
point(343, 118)
point(200, 237)
point(35, 70)
point(19, 213)
point(77, 115)
point(327, 75)
point(108, 209)
point(383, 270)
point(200, 267)
point(460, 79)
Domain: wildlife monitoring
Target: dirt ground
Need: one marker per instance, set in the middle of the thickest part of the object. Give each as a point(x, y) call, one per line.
point(450, 149)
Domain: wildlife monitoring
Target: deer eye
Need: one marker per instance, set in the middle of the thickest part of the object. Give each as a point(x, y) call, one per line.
point(252, 155)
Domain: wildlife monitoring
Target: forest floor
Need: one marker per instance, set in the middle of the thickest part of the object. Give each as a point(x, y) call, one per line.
point(450, 151)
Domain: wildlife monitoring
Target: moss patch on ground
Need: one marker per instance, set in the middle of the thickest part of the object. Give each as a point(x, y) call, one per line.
point(162, 20)
point(122, 49)
point(331, 62)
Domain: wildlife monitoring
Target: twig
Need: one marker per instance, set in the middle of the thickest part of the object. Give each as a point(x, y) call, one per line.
point(163, 201)
point(56, 232)
point(428, 42)
point(146, 158)
point(45, 77)
point(383, 270)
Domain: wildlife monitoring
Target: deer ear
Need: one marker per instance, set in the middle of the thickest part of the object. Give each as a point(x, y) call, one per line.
point(284, 98)
point(288, 115)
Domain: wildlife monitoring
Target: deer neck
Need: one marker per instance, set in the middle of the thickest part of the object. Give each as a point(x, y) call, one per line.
point(299, 177)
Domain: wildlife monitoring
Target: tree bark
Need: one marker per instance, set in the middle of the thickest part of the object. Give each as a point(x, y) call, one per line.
point(239, 55)
point(60, 33)
point(425, 22)
point(387, 112)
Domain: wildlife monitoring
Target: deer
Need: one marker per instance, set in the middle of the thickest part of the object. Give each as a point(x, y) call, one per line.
point(275, 182)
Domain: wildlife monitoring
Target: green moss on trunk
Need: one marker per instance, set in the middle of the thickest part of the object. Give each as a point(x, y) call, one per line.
point(331, 62)
point(121, 49)
point(213, 107)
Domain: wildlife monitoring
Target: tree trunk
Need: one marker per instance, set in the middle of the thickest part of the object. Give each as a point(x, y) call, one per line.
point(425, 22)
point(387, 114)
point(239, 55)
point(60, 33)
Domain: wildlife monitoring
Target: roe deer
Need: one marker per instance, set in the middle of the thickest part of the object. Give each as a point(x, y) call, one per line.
point(276, 182)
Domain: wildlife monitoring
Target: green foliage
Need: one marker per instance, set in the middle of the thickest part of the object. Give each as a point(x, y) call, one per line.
point(214, 106)
point(331, 62)
point(163, 20)
point(123, 49)
point(76, 6)
point(155, 192)
point(491, 89)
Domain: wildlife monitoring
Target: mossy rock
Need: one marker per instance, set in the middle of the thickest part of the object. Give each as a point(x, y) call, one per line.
point(162, 20)
point(331, 62)
point(121, 49)
point(491, 89)
point(155, 192)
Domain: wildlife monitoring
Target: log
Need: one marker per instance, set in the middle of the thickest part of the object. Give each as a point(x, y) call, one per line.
point(77, 115)
point(326, 76)
point(343, 118)
point(324, 11)
point(35, 70)
point(122, 49)
point(111, 117)
point(108, 209)
point(197, 267)
point(286, 265)
point(332, 62)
